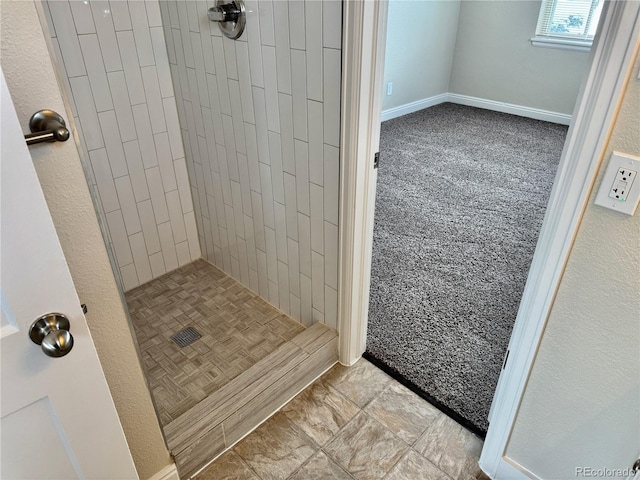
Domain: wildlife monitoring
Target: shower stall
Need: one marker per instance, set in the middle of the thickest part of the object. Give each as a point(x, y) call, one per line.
point(213, 165)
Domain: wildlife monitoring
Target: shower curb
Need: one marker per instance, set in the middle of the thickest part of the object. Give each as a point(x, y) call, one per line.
point(219, 421)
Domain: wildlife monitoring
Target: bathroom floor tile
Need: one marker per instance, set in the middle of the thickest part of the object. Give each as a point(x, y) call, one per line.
point(276, 449)
point(322, 434)
point(228, 467)
point(451, 448)
point(321, 467)
point(413, 466)
point(360, 383)
point(403, 412)
point(320, 411)
point(365, 448)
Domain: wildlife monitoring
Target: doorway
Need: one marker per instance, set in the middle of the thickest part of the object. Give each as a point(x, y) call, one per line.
point(610, 60)
point(474, 131)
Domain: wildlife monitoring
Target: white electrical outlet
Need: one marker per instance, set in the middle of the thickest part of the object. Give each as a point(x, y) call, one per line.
point(620, 190)
point(622, 184)
point(389, 88)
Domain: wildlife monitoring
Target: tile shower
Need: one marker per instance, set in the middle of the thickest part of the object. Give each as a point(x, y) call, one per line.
point(202, 146)
point(198, 146)
point(117, 78)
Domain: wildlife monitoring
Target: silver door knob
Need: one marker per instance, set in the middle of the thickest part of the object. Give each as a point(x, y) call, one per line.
point(51, 332)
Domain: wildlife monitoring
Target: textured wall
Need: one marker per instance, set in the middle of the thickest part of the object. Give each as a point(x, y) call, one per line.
point(421, 38)
point(260, 120)
point(63, 182)
point(494, 58)
point(116, 72)
point(585, 381)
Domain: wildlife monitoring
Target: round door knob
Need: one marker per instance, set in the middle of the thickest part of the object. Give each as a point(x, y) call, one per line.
point(51, 332)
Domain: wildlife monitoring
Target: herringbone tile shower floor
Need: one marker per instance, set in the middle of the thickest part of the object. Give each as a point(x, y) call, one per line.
point(238, 329)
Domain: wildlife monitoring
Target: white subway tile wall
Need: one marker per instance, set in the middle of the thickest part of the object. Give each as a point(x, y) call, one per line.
point(260, 117)
point(115, 67)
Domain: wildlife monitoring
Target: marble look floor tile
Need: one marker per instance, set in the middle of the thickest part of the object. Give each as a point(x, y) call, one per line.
point(276, 449)
point(403, 412)
point(451, 448)
point(414, 466)
point(320, 467)
point(478, 476)
point(365, 448)
point(360, 383)
point(228, 467)
point(320, 411)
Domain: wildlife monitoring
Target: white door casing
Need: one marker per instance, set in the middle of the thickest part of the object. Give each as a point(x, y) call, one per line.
point(363, 44)
point(364, 36)
point(612, 57)
point(57, 416)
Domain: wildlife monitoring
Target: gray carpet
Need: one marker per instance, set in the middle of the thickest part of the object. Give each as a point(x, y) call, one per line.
point(460, 201)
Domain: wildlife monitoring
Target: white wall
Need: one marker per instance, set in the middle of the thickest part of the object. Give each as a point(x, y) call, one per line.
point(494, 58)
point(113, 59)
point(477, 48)
point(260, 119)
point(582, 404)
point(421, 37)
point(62, 178)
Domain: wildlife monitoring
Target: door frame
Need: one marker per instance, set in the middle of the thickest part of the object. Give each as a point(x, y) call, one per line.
point(364, 36)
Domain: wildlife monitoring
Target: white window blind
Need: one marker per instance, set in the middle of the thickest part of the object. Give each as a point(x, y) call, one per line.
point(568, 22)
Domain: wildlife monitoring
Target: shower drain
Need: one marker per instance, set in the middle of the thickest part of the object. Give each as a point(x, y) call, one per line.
point(186, 337)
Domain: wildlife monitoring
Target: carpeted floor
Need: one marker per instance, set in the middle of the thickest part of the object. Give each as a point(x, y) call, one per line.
point(460, 200)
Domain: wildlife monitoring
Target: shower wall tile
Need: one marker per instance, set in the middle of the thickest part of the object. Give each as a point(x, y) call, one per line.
point(106, 35)
point(104, 180)
point(297, 24)
point(67, 37)
point(331, 183)
point(47, 15)
point(299, 93)
point(97, 73)
point(313, 34)
point(153, 13)
point(120, 13)
point(128, 205)
point(131, 66)
point(65, 77)
point(331, 30)
point(283, 59)
point(260, 118)
point(119, 237)
point(129, 276)
point(86, 110)
point(122, 106)
point(116, 70)
point(331, 75)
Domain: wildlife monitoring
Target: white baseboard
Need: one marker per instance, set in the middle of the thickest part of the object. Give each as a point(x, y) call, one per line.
point(414, 106)
point(529, 112)
point(170, 472)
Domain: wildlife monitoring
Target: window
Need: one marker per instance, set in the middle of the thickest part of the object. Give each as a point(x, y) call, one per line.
point(567, 24)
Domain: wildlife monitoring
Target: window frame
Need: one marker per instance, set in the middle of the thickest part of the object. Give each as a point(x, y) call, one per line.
point(559, 41)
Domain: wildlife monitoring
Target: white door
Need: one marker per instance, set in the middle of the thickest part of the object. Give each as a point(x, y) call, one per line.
point(58, 420)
